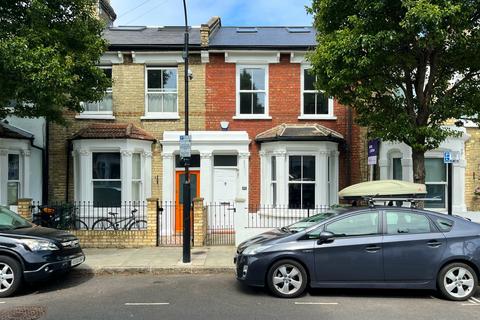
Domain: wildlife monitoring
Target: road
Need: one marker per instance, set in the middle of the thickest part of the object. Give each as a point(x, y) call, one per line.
point(217, 296)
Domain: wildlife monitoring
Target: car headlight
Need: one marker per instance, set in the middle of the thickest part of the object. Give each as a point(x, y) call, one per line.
point(39, 245)
point(254, 249)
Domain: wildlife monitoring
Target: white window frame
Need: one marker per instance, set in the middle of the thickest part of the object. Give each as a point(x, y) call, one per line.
point(273, 182)
point(88, 114)
point(121, 180)
point(329, 116)
point(302, 154)
point(439, 183)
point(238, 115)
point(159, 115)
point(19, 180)
point(138, 180)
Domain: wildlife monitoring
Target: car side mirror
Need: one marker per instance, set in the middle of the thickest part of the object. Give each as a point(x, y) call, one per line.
point(325, 237)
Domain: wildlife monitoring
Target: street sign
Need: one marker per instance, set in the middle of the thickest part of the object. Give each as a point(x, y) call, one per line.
point(185, 146)
point(373, 146)
point(451, 157)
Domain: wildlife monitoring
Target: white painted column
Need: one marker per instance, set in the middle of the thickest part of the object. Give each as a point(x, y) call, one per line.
point(147, 175)
point(85, 179)
point(334, 177)
point(407, 169)
point(3, 175)
point(243, 172)
point(265, 179)
point(26, 174)
point(206, 177)
point(168, 178)
point(282, 178)
point(322, 179)
point(458, 204)
point(126, 174)
point(383, 165)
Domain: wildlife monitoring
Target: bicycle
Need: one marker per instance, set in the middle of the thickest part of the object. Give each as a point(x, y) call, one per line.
point(63, 217)
point(114, 224)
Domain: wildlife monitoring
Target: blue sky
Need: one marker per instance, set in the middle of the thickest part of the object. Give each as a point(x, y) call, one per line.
point(232, 12)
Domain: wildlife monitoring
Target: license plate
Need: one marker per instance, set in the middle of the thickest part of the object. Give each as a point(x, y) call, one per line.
point(77, 261)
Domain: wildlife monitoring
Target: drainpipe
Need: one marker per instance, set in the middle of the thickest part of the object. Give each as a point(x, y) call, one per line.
point(348, 148)
point(67, 177)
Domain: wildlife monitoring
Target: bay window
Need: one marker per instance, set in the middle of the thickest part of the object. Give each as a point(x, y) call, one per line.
point(107, 183)
point(274, 180)
point(13, 180)
point(436, 182)
point(136, 177)
point(301, 182)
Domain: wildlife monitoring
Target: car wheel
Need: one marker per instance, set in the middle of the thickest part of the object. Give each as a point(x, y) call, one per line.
point(457, 281)
point(287, 279)
point(10, 276)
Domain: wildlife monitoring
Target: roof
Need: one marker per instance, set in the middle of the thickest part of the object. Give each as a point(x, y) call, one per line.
point(141, 37)
point(112, 131)
point(383, 188)
point(108, 9)
point(12, 132)
point(299, 132)
point(263, 37)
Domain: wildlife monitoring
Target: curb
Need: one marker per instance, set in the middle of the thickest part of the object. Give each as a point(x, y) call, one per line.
point(152, 270)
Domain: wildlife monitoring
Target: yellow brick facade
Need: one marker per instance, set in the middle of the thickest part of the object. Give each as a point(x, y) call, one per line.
point(472, 170)
point(128, 107)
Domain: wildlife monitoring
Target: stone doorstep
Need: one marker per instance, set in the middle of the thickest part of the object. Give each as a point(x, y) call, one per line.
point(191, 269)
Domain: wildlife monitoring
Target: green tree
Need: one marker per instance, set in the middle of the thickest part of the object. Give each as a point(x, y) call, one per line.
point(405, 66)
point(48, 55)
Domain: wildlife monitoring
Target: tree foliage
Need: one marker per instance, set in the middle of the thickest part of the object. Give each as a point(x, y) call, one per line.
point(48, 55)
point(405, 66)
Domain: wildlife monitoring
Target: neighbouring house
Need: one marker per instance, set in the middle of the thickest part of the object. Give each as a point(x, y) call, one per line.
point(22, 153)
point(110, 153)
point(395, 162)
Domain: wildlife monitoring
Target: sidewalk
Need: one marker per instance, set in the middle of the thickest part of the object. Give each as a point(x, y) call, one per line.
point(157, 260)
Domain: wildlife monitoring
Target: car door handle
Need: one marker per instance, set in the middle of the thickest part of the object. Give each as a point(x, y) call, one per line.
point(373, 248)
point(434, 243)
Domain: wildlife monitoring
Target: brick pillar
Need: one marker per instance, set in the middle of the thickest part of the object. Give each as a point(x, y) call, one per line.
point(152, 221)
point(23, 208)
point(199, 223)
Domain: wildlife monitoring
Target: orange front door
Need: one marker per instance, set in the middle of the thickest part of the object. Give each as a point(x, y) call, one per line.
point(194, 190)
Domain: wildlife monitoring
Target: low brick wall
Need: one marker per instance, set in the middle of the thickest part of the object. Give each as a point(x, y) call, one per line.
point(110, 238)
point(116, 239)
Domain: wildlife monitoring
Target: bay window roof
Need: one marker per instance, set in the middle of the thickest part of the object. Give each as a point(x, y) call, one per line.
point(11, 132)
point(113, 131)
point(299, 132)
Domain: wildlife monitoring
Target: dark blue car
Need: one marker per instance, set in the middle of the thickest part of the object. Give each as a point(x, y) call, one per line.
point(29, 252)
point(372, 247)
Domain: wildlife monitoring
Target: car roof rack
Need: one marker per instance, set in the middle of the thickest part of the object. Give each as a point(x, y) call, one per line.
point(413, 200)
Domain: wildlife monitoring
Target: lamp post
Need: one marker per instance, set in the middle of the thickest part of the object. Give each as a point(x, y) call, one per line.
point(186, 185)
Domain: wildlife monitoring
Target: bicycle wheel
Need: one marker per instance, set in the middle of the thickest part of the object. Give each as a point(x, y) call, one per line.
point(103, 224)
point(138, 225)
point(77, 224)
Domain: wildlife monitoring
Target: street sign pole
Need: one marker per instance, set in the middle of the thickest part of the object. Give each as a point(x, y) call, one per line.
point(449, 187)
point(186, 186)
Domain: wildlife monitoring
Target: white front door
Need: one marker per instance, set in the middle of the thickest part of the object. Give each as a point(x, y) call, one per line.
point(225, 185)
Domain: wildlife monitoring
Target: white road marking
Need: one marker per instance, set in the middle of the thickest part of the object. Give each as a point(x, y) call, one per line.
point(475, 299)
point(470, 304)
point(147, 303)
point(2, 302)
point(317, 303)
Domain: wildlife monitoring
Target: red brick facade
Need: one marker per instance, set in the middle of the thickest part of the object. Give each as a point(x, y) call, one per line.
point(284, 107)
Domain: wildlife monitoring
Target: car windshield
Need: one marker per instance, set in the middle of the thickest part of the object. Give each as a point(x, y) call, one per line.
point(9, 220)
point(312, 220)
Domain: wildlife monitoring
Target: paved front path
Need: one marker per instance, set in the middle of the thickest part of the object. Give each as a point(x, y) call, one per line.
point(218, 296)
